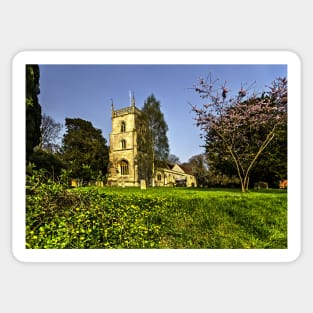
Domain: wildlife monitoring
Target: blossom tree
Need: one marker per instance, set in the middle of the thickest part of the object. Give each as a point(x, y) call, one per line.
point(243, 124)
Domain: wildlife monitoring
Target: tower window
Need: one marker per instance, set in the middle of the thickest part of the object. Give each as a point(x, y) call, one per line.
point(124, 168)
point(123, 127)
point(123, 143)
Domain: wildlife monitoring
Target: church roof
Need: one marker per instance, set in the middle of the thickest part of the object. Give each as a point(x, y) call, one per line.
point(186, 169)
point(176, 166)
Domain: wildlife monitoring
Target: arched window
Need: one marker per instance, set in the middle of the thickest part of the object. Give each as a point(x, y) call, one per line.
point(124, 167)
point(123, 143)
point(123, 127)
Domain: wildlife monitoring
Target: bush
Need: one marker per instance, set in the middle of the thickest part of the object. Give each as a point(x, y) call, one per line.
point(59, 218)
point(48, 161)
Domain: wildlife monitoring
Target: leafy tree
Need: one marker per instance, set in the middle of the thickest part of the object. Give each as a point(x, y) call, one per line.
point(145, 148)
point(157, 129)
point(173, 159)
point(50, 133)
point(152, 141)
point(270, 167)
point(84, 149)
point(199, 168)
point(242, 125)
point(33, 109)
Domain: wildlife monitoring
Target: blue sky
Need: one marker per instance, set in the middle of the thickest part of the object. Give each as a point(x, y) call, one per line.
point(85, 91)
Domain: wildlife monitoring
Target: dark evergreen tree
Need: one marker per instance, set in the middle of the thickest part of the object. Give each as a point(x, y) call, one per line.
point(85, 150)
point(272, 166)
point(33, 109)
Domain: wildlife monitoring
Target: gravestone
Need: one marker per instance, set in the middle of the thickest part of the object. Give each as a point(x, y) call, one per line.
point(143, 184)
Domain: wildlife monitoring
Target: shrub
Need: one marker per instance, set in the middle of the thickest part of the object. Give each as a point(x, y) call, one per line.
point(61, 218)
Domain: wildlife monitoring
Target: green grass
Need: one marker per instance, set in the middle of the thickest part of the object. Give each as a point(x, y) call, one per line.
point(158, 218)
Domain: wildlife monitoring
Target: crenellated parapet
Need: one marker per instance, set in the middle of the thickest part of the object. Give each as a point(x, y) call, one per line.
point(125, 111)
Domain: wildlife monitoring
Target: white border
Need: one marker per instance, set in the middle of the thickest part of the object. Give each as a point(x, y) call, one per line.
point(156, 57)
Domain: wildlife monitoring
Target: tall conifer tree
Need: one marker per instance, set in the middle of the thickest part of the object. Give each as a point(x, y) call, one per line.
point(33, 109)
point(152, 141)
point(157, 128)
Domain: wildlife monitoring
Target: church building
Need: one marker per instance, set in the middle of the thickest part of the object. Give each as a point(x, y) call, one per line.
point(123, 155)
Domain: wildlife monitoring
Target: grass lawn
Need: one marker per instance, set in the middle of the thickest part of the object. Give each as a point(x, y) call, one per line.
point(104, 217)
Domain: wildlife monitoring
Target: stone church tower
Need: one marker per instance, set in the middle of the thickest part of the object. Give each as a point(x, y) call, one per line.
point(123, 167)
point(125, 154)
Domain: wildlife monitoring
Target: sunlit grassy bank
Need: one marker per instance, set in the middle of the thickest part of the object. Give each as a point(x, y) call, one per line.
point(156, 218)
